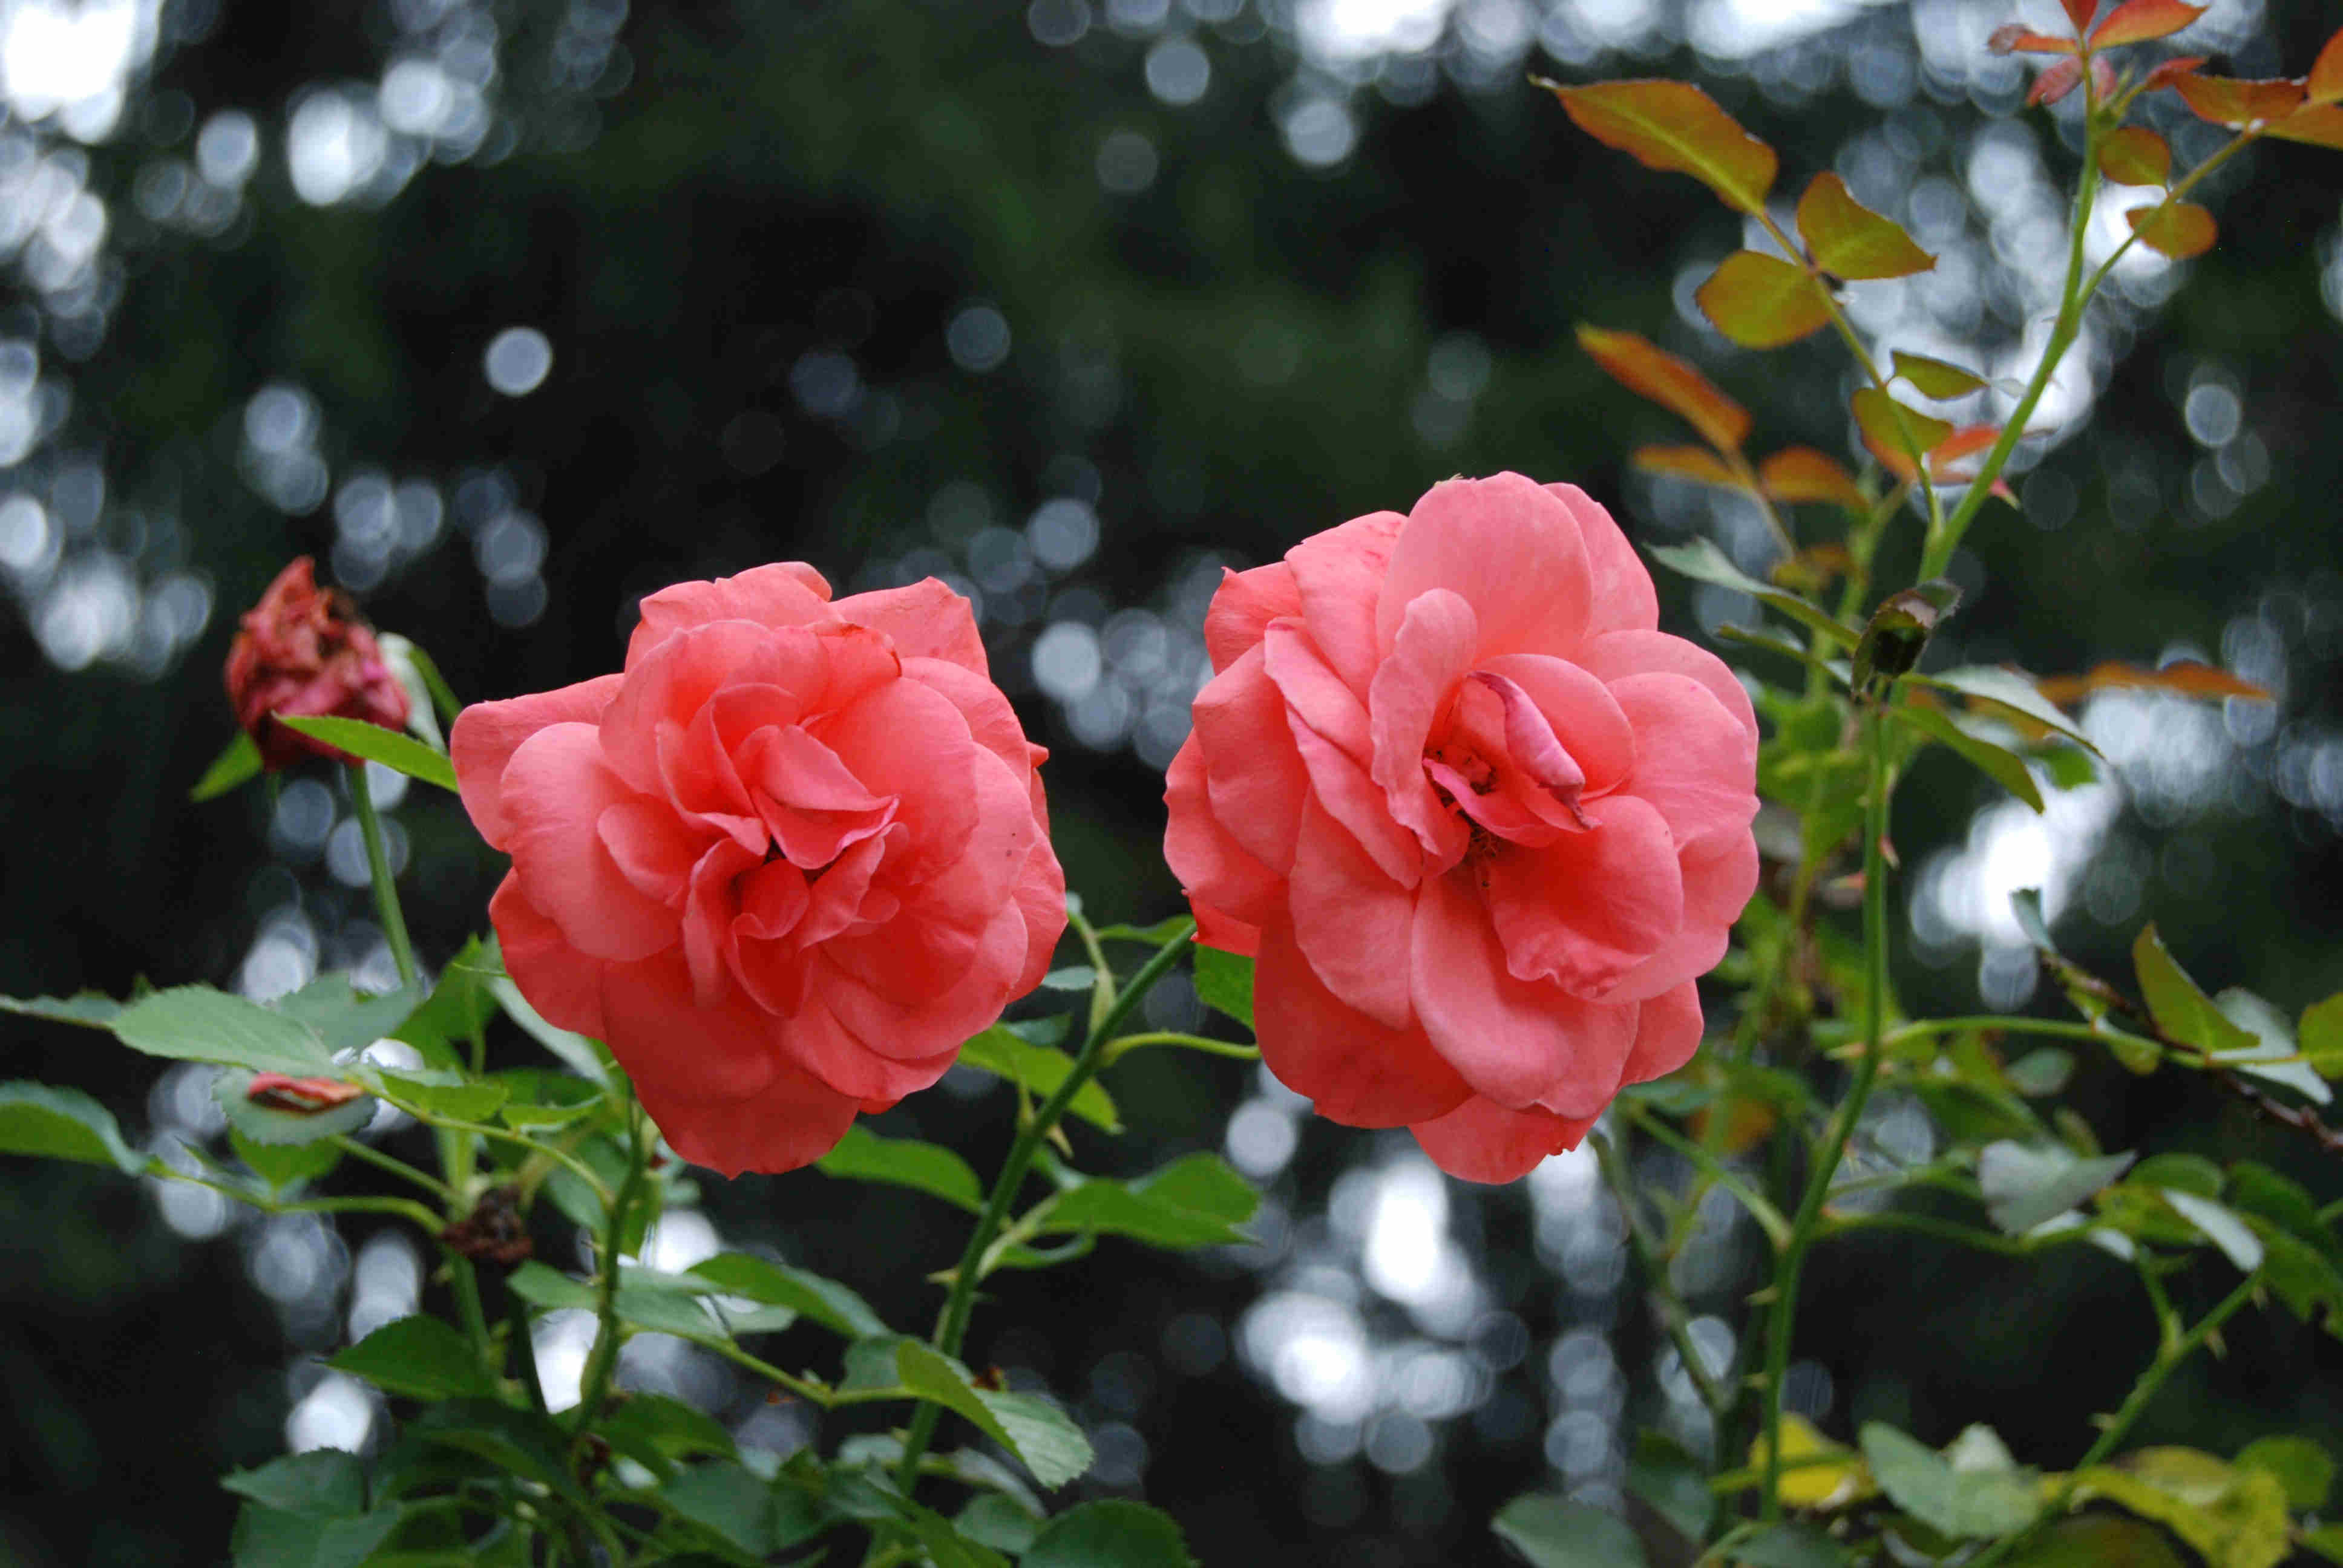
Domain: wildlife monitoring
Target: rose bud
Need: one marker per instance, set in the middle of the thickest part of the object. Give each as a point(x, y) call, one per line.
point(1481, 822)
point(303, 650)
point(783, 863)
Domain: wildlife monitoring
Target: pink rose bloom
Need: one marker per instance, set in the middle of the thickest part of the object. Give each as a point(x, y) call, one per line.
point(783, 863)
point(303, 651)
point(1480, 823)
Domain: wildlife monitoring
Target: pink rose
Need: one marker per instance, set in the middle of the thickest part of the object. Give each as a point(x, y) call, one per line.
point(305, 650)
point(1479, 821)
point(783, 863)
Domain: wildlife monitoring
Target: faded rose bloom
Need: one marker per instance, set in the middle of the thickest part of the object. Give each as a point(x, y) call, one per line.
point(783, 863)
point(303, 651)
point(1481, 822)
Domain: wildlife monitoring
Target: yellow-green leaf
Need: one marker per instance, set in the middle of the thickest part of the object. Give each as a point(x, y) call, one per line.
point(2233, 1517)
point(1761, 301)
point(2324, 83)
point(2181, 1009)
point(2321, 1036)
point(399, 753)
point(1898, 443)
point(1650, 371)
point(2004, 768)
point(232, 767)
point(1674, 126)
point(1936, 378)
point(1850, 240)
point(2319, 126)
point(1799, 474)
point(2179, 229)
point(2229, 101)
point(2135, 155)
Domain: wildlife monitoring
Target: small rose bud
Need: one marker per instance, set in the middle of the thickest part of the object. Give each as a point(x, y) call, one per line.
point(301, 1096)
point(303, 650)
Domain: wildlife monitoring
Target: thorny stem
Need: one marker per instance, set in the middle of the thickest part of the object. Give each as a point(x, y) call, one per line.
point(1673, 1314)
point(385, 895)
point(952, 1327)
point(603, 1360)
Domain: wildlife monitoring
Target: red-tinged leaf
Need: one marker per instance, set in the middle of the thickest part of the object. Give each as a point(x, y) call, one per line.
point(1934, 377)
point(301, 1096)
point(1965, 442)
point(2184, 679)
point(2324, 83)
point(2135, 155)
point(2016, 38)
point(1848, 239)
point(2078, 12)
point(2179, 229)
point(2171, 70)
point(1676, 126)
point(1762, 301)
point(1897, 445)
point(2054, 83)
point(2227, 101)
point(1695, 463)
point(2320, 125)
point(2137, 21)
point(2000, 491)
point(1800, 474)
point(1650, 371)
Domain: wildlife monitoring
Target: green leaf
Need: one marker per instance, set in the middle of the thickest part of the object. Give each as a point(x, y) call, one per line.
point(1676, 127)
point(2010, 694)
point(1110, 1534)
point(2220, 1226)
point(1156, 936)
point(863, 1156)
point(1194, 1201)
point(345, 1018)
point(89, 1009)
point(1761, 301)
point(583, 1057)
point(1789, 1546)
point(418, 1356)
point(2232, 1517)
point(2097, 1541)
point(2304, 1469)
point(265, 1124)
point(826, 1302)
point(285, 1166)
point(2186, 1173)
point(1551, 1533)
point(1971, 1503)
point(1697, 463)
point(1075, 977)
point(445, 1094)
point(2327, 1540)
point(656, 1431)
point(2135, 155)
point(2181, 1009)
point(991, 1520)
point(1934, 379)
point(2041, 1073)
point(271, 1538)
point(542, 1097)
point(2026, 1184)
point(62, 1124)
point(1665, 1474)
point(2273, 1055)
point(1702, 561)
point(1897, 434)
point(1037, 1431)
point(1224, 983)
point(2179, 229)
point(324, 1481)
point(1773, 641)
point(1040, 1070)
point(2006, 768)
point(196, 1023)
point(399, 753)
point(460, 1006)
point(237, 763)
point(2321, 1036)
point(525, 1443)
point(1849, 240)
point(730, 1501)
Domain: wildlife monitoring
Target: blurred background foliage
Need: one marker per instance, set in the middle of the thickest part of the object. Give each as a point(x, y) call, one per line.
point(512, 311)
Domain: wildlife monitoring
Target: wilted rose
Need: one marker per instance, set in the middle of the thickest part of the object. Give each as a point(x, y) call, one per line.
point(1481, 821)
point(303, 650)
point(783, 863)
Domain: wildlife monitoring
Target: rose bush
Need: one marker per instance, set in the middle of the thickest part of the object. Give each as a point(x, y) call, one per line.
point(1479, 820)
point(303, 650)
point(783, 863)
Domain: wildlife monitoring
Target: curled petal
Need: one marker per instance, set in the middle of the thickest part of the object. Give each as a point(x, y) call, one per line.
point(486, 734)
point(1242, 608)
point(1353, 922)
point(1718, 880)
point(1336, 574)
point(792, 1121)
point(789, 593)
point(1692, 761)
point(556, 790)
point(1310, 687)
point(1213, 869)
point(1509, 549)
point(1253, 775)
point(1616, 655)
point(1410, 693)
point(1586, 910)
point(925, 620)
point(1667, 1033)
point(1357, 1072)
point(1480, 1140)
point(1624, 599)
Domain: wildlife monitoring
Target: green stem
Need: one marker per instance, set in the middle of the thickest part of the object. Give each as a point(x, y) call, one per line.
point(2117, 1427)
point(404, 1207)
point(385, 895)
point(1834, 1226)
point(1118, 1049)
point(395, 1166)
point(466, 1281)
point(952, 1327)
point(1673, 1312)
point(1769, 1219)
point(1781, 1317)
point(523, 1352)
point(602, 1361)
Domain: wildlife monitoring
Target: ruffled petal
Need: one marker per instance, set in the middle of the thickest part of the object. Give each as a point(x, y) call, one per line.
point(926, 620)
point(1509, 549)
point(1356, 1072)
point(790, 1123)
point(1352, 921)
point(1618, 654)
point(1244, 606)
point(671, 1045)
point(665, 690)
point(1313, 690)
point(786, 593)
point(1691, 760)
point(1253, 775)
point(1410, 692)
point(653, 849)
point(563, 984)
point(556, 788)
point(904, 1028)
point(1336, 574)
point(486, 734)
point(909, 741)
point(1588, 908)
point(1667, 1033)
point(1624, 600)
point(1342, 787)
point(1212, 865)
point(1480, 1140)
point(1718, 879)
point(1581, 711)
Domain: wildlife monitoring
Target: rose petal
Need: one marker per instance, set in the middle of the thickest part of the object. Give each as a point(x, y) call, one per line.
point(1509, 549)
point(1667, 1034)
point(792, 1121)
point(1254, 775)
point(787, 593)
point(1617, 654)
point(809, 800)
point(486, 734)
point(904, 1026)
point(556, 788)
point(1693, 760)
point(814, 1040)
point(1342, 787)
point(672, 1046)
point(1409, 694)
point(665, 690)
point(1480, 1140)
point(1516, 1042)
point(1355, 1070)
point(1624, 599)
point(653, 849)
point(927, 620)
point(908, 740)
point(1352, 921)
point(1313, 690)
point(991, 723)
point(1580, 710)
point(1244, 606)
point(1213, 867)
point(708, 918)
point(1587, 909)
point(1717, 879)
point(1336, 574)
point(563, 984)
